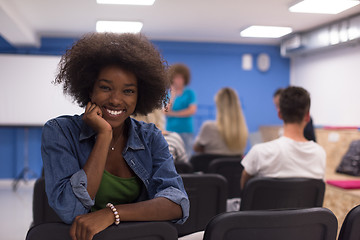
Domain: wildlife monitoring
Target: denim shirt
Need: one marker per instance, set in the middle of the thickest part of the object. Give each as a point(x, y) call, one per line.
point(66, 145)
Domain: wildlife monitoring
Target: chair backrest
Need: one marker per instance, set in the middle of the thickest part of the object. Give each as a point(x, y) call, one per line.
point(298, 224)
point(184, 167)
point(201, 162)
point(276, 193)
point(124, 231)
point(231, 169)
point(47, 225)
point(350, 229)
point(207, 194)
point(42, 212)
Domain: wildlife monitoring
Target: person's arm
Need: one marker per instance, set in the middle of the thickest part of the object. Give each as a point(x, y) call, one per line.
point(168, 199)
point(244, 178)
point(202, 138)
point(250, 166)
point(190, 97)
point(198, 148)
point(187, 112)
point(95, 164)
point(66, 182)
point(69, 189)
point(157, 209)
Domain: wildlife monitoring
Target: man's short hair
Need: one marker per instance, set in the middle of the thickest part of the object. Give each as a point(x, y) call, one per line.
point(278, 92)
point(294, 104)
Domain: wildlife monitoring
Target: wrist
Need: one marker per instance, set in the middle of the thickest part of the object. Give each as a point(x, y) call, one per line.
point(105, 136)
point(115, 213)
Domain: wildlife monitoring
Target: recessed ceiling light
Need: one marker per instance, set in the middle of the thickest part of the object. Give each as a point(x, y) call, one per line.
point(323, 6)
point(127, 2)
point(118, 26)
point(265, 31)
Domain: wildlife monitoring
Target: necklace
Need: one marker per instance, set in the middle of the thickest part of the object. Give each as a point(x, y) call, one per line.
point(113, 147)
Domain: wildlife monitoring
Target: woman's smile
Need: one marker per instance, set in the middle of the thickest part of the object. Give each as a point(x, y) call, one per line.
point(115, 112)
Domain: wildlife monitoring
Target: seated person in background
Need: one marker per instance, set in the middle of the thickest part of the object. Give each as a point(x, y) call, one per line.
point(228, 134)
point(103, 167)
point(176, 144)
point(309, 132)
point(291, 155)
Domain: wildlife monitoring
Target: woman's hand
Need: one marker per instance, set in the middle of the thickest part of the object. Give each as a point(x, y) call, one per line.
point(187, 112)
point(168, 112)
point(172, 95)
point(93, 117)
point(86, 226)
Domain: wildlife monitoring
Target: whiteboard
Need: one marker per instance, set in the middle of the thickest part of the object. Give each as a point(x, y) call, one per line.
point(27, 95)
point(332, 78)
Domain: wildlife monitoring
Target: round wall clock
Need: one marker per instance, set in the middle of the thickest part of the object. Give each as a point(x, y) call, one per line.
point(263, 62)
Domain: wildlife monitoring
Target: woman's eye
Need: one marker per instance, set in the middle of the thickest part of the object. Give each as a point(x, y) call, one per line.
point(129, 91)
point(105, 88)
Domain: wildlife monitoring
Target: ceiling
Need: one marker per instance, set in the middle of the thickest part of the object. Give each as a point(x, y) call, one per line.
point(24, 22)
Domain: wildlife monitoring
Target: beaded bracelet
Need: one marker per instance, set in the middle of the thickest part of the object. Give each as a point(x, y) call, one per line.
point(116, 214)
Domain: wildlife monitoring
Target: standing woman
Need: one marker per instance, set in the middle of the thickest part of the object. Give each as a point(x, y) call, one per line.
point(104, 162)
point(182, 106)
point(228, 134)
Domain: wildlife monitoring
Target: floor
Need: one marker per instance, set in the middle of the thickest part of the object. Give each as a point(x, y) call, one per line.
point(16, 209)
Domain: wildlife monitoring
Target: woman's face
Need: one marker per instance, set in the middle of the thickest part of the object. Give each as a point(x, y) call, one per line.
point(115, 92)
point(178, 81)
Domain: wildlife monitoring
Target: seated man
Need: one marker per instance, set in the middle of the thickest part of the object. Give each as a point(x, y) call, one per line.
point(291, 155)
point(309, 132)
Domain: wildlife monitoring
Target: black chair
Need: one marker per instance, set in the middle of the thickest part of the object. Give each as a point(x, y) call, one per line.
point(275, 193)
point(48, 226)
point(350, 228)
point(207, 194)
point(231, 169)
point(42, 212)
point(124, 231)
point(201, 162)
point(184, 167)
point(299, 224)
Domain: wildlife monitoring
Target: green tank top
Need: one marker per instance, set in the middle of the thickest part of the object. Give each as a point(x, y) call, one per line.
point(116, 190)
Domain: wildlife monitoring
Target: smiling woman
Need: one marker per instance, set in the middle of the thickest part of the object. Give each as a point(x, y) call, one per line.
point(103, 167)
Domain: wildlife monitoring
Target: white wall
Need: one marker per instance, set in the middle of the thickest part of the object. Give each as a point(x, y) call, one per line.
point(27, 96)
point(333, 79)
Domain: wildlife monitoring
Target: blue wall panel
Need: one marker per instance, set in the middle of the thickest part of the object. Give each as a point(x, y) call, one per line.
point(8, 151)
point(20, 150)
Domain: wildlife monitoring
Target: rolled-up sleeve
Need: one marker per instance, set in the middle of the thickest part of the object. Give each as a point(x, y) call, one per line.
point(65, 181)
point(179, 198)
point(79, 185)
